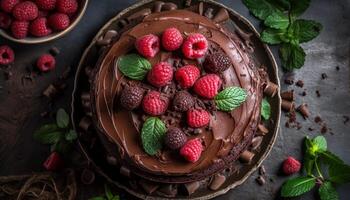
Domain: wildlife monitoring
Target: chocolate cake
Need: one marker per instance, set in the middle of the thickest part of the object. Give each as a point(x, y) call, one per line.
point(175, 97)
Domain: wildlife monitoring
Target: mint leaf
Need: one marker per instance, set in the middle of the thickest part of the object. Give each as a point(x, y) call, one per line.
point(152, 135)
point(260, 8)
point(298, 7)
point(133, 66)
point(272, 36)
point(319, 143)
point(230, 98)
point(327, 192)
point(330, 158)
point(108, 192)
point(339, 173)
point(71, 135)
point(297, 186)
point(48, 128)
point(48, 137)
point(277, 20)
point(62, 118)
point(309, 164)
point(265, 109)
point(306, 30)
point(292, 56)
point(283, 5)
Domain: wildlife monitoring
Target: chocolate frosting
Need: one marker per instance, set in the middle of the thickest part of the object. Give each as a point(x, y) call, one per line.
point(223, 141)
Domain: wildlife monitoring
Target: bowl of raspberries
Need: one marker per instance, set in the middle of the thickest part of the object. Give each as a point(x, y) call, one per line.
point(38, 21)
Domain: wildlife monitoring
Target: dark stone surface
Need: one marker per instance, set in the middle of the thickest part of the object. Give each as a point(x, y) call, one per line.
point(20, 154)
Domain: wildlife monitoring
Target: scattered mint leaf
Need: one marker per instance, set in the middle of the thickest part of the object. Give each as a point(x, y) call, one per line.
point(277, 20)
point(152, 135)
point(319, 143)
point(48, 137)
point(292, 56)
point(265, 109)
point(298, 7)
point(62, 118)
point(330, 158)
point(133, 66)
point(339, 173)
point(297, 186)
point(260, 8)
point(272, 36)
point(306, 30)
point(71, 135)
point(230, 98)
point(327, 192)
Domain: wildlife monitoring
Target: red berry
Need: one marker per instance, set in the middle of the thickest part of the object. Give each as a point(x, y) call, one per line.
point(147, 45)
point(67, 6)
point(8, 5)
point(160, 74)
point(171, 39)
point(195, 46)
point(7, 55)
point(19, 29)
point(46, 63)
point(154, 103)
point(197, 118)
point(192, 150)
point(5, 20)
point(53, 162)
point(187, 75)
point(46, 4)
point(39, 27)
point(25, 11)
point(291, 166)
point(59, 21)
point(208, 86)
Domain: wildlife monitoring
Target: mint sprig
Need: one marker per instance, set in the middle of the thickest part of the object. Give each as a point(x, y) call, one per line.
point(297, 186)
point(133, 66)
point(152, 135)
point(230, 98)
point(283, 27)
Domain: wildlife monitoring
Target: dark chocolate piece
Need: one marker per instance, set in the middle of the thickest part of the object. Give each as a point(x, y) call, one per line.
point(262, 130)
point(300, 83)
point(289, 80)
point(87, 177)
point(324, 76)
point(169, 189)
point(169, 6)
point(256, 142)
point(139, 14)
point(318, 119)
point(262, 170)
point(200, 8)
point(288, 95)
point(324, 129)
point(85, 123)
point(107, 38)
point(246, 156)
point(217, 181)
point(51, 91)
point(287, 106)
point(271, 89)
point(303, 109)
point(318, 94)
point(221, 16)
point(111, 160)
point(158, 6)
point(191, 187)
point(148, 186)
point(260, 180)
point(124, 171)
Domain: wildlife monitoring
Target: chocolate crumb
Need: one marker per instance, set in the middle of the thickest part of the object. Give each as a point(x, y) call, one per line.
point(324, 129)
point(289, 80)
point(311, 129)
point(346, 119)
point(304, 111)
point(303, 93)
point(324, 76)
point(260, 180)
point(337, 68)
point(318, 119)
point(318, 94)
point(300, 83)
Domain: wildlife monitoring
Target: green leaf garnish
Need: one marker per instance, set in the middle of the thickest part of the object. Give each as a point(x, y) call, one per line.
point(330, 158)
point(265, 109)
point(298, 7)
point(71, 135)
point(339, 173)
point(260, 8)
point(133, 66)
point(48, 137)
point(62, 118)
point(277, 20)
point(327, 192)
point(305, 30)
point(272, 36)
point(319, 144)
point(230, 98)
point(292, 56)
point(152, 135)
point(297, 186)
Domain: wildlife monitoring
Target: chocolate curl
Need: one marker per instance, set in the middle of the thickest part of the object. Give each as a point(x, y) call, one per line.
point(148, 186)
point(51, 91)
point(107, 38)
point(246, 156)
point(158, 6)
point(256, 142)
point(124, 171)
point(304, 110)
point(139, 14)
point(217, 181)
point(192, 187)
point(271, 89)
point(221, 16)
point(87, 177)
point(262, 130)
point(85, 123)
point(287, 105)
point(288, 95)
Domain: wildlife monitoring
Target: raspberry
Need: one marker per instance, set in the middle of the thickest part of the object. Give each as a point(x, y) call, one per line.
point(192, 150)
point(7, 55)
point(154, 103)
point(131, 97)
point(160, 74)
point(195, 46)
point(25, 11)
point(53, 162)
point(19, 29)
point(46, 4)
point(171, 39)
point(183, 101)
point(197, 118)
point(175, 138)
point(187, 75)
point(8, 5)
point(5, 20)
point(67, 6)
point(39, 27)
point(291, 166)
point(208, 86)
point(217, 63)
point(59, 21)
point(46, 62)
point(147, 45)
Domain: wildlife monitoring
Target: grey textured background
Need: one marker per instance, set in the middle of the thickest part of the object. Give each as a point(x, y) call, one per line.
point(19, 153)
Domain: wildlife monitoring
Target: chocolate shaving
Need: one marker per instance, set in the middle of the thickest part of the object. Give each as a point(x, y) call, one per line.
point(318, 94)
point(217, 181)
point(287, 106)
point(303, 109)
point(262, 130)
point(271, 89)
point(148, 186)
point(107, 38)
point(247, 156)
point(221, 16)
point(191, 187)
point(87, 177)
point(288, 95)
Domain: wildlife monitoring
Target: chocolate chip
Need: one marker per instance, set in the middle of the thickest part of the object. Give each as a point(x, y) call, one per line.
point(288, 95)
point(289, 80)
point(51, 91)
point(262, 130)
point(111, 160)
point(191, 187)
point(303, 93)
point(256, 142)
point(300, 83)
point(311, 129)
point(107, 38)
point(324, 129)
point(337, 68)
point(324, 76)
point(124, 171)
point(260, 180)
point(217, 181)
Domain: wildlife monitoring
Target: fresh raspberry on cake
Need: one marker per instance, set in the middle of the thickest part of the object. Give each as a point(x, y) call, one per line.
point(19, 29)
point(147, 45)
point(59, 21)
point(171, 39)
point(208, 86)
point(187, 75)
point(154, 103)
point(195, 46)
point(7, 55)
point(5, 20)
point(192, 150)
point(8, 5)
point(25, 11)
point(291, 166)
point(39, 27)
point(46, 62)
point(160, 74)
point(46, 4)
point(197, 118)
point(67, 6)
point(175, 138)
